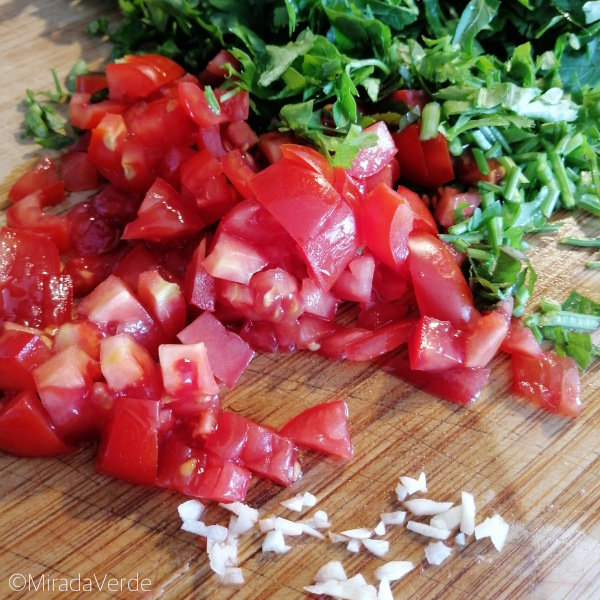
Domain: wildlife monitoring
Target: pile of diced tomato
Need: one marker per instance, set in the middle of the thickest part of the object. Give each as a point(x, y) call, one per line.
point(195, 243)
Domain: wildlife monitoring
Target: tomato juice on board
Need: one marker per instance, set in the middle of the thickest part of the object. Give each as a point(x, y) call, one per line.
point(201, 242)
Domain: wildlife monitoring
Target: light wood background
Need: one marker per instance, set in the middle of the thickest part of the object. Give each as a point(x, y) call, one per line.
point(60, 519)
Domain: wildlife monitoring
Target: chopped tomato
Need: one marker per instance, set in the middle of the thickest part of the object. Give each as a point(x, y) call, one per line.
point(138, 76)
point(41, 176)
point(129, 445)
point(434, 345)
point(25, 429)
point(436, 275)
point(323, 428)
point(20, 352)
point(458, 384)
point(228, 354)
point(452, 199)
point(551, 382)
point(256, 447)
point(193, 471)
point(372, 159)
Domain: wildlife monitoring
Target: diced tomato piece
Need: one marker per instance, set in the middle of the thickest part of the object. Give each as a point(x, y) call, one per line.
point(194, 472)
point(469, 173)
point(129, 445)
point(78, 172)
point(356, 282)
point(216, 70)
point(551, 382)
point(86, 272)
point(520, 340)
point(20, 352)
point(411, 98)
point(25, 429)
point(32, 291)
point(228, 354)
point(308, 158)
point(164, 300)
point(312, 331)
point(459, 384)
point(387, 222)
point(163, 216)
point(169, 164)
point(64, 383)
point(323, 428)
point(238, 171)
point(27, 214)
point(199, 287)
point(434, 345)
point(483, 341)
point(382, 340)
point(316, 301)
point(436, 275)
point(91, 82)
point(378, 314)
point(85, 114)
point(269, 145)
point(234, 259)
point(371, 160)
point(388, 175)
point(138, 76)
point(41, 176)
point(90, 232)
point(114, 307)
point(116, 205)
point(186, 370)
point(105, 149)
point(334, 345)
point(160, 124)
point(260, 335)
point(424, 163)
point(194, 101)
point(256, 447)
point(241, 135)
point(450, 200)
point(128, 368)
point(83, 334)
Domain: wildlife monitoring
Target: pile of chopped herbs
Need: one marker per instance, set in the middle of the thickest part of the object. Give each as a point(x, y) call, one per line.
point(514, 80)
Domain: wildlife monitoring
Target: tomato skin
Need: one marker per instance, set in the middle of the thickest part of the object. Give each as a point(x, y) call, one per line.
point(228, 354)
point(20, 352)
point(323, 428)
point(436, 275)
point(434, 345)
point(460, 385)
point(551, 382)
point(129, 445)
point(90, 83)
point(85, 114)
point(256, 447)
point(238, 171)
point(25, 429)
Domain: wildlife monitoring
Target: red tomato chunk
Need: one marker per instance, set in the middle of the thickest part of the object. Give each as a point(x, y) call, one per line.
point(204, 243)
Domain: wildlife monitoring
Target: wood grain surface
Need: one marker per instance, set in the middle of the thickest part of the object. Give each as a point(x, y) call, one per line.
point(60, 519)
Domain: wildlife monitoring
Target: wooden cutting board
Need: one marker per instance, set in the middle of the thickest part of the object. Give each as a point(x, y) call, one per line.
point(61, 520)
